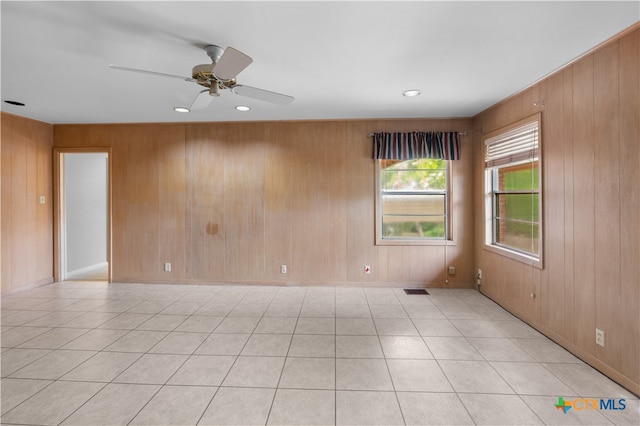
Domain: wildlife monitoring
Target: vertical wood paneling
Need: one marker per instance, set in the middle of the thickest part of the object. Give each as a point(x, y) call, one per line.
point(27, 225)
point(629, 172)
point(553, 194)
point(607, 202)
point(591, 163)
point(205, 230)
point(584, 201)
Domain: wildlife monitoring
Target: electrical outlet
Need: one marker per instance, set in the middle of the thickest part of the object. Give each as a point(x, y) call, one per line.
point(167, 267)
point(452, 270)
point(367, 269)
point(42, 199)
point(479, 274)
point(283, 269)
point(599, 337)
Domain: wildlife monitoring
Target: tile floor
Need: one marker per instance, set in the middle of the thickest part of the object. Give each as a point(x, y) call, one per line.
point(90, 353)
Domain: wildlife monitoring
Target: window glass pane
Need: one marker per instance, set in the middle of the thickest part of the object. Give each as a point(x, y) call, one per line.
point(517, 206)
point(413, 175)
point(522, 177)
point(413, 227)
point(518, 235)
point(395, 204)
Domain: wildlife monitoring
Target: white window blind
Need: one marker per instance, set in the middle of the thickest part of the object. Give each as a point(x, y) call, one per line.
point(517, 145)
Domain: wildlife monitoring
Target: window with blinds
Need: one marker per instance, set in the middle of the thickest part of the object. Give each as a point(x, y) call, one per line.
point(513, 191)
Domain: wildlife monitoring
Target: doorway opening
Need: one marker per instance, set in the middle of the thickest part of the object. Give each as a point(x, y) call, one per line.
point(83, 231)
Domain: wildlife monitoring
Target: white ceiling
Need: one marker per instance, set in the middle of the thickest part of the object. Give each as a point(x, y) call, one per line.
point(340, 60)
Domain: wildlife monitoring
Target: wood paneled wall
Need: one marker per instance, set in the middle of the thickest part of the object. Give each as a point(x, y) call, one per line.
point(231, 202)
point(591, 177)
point(27, 225)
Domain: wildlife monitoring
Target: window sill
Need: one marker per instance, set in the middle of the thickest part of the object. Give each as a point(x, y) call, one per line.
point(512, 254)
point(416, 242)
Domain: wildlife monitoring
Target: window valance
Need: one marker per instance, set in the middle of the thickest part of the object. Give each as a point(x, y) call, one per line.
point(411, 145)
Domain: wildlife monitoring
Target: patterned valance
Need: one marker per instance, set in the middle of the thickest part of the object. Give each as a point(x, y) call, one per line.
point(408, 146)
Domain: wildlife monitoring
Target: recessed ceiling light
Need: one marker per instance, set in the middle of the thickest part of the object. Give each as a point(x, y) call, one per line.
point(16, 103)
point(243, 108)
point(181, 109)
point(411, 93)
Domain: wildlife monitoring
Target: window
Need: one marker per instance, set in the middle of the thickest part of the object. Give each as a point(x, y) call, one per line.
point(412, 202)
point(513, 192)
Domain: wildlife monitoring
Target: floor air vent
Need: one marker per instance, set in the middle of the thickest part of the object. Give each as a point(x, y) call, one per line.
point(416, 291)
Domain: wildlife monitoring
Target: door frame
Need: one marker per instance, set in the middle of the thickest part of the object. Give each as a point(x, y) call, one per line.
point(59, 222)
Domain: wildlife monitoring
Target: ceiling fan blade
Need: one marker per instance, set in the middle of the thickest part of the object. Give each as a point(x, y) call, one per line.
point(159, 74)
point(262, 95)
point(202, 100)
point(230, 64)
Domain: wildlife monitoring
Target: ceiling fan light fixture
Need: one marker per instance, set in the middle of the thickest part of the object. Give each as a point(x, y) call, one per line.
point(243, 108)
point(181, 109)
point(411, 93)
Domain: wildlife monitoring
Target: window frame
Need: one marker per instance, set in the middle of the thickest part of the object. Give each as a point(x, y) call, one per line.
point(415, 241)
point(490, 243)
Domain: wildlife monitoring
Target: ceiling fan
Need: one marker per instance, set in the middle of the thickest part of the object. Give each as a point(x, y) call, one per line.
point(220, 74)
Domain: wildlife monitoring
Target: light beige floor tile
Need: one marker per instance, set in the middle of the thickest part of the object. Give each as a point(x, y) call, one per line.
point(629, 416)
point(433, 409)
point(309, 373)
point(53, 365)
point(118, 306)
point(15, 391)
point(252, 371)
point(16, 318)
point(276, 325)
point(544, 350)
point(200, 324)
point(223, 344)
point(367, 408)
point(126, 321)
point(53, 404)
point(353, 311)
point(316, 326)
point(19, 335)
point(151, 369)
point(14, 359)
point(239, 406)
point(457, 348)
point(95, 340)
point(388, 311)
point(54, 319)
point(267, 345)
point(237, 325)
point(424, 312)
point(136, 341)
point(149, 307)
point(54, 338)
point(418, 376)
point(436, 328)
point(102, 367)
point(395, 327)
point(215, 309)
point(129, 400)
point(491, 409)
point(358, 347)
point(249, 310)
point(355, 326)
point(474, 377)
point(517, 329)
point(407, 347)
point(587, 382)
point(182, 308)
point(362, 374)
point(499, 349)
point(477, 328)
point(316, 310)
point(531, 379)
point(312, 345)
point(289, 310)
point(303, 407)
point(176, 405)
point(162, 322)
point(178, 342)
point(203, 370)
